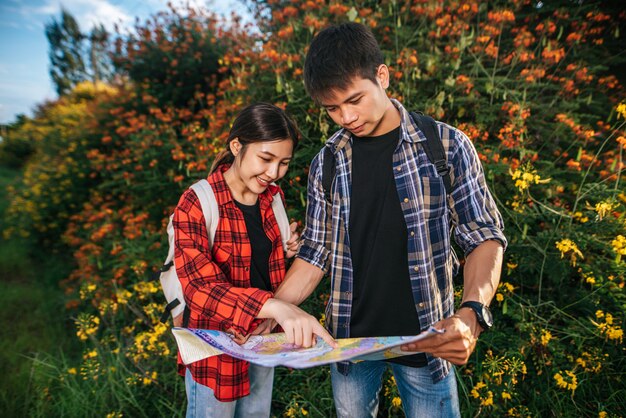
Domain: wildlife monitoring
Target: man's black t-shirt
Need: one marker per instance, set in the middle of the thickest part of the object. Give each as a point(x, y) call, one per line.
point(382, 299)
point(261, 246)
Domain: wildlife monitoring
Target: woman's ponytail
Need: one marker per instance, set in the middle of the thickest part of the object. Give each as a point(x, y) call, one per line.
point(223, 157)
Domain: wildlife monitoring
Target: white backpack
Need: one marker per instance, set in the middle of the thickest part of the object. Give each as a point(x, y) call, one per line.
point(167, 274)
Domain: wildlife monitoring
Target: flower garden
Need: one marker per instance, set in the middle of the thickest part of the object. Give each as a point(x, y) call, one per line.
point(537, 86)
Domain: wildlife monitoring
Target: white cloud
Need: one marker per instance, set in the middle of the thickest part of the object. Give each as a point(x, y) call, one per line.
point(86, 12)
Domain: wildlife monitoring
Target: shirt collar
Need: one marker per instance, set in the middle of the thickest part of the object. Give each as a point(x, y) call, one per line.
point(408, 130)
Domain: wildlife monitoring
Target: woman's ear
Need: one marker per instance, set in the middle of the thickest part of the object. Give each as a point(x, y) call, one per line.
point(235, 146)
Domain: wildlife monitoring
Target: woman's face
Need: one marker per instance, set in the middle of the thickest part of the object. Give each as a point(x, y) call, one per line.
point(260, 163)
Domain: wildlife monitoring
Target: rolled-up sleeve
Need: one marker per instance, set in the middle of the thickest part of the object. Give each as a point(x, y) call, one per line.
point(206, 288)
point(315, 247)
point(475, 217)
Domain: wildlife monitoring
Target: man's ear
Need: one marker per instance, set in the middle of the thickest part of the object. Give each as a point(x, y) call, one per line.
point(235, 146)
point(382, 74)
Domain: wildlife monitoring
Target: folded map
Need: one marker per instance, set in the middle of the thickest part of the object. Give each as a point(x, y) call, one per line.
point(272, 350)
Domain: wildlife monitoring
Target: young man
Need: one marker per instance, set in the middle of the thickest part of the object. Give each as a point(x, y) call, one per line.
point(385, 235)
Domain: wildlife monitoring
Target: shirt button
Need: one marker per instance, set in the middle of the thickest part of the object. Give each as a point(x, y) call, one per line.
point(421, 304)
point(246, 268)
point(406, 200)
point(416, 268)
point(347, 294)
point(412, 233)
point(399, 169)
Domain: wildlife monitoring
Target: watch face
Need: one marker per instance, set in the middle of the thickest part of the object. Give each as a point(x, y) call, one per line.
point(487, 316)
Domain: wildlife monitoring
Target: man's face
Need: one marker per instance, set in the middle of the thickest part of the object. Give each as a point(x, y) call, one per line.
point(363, 108)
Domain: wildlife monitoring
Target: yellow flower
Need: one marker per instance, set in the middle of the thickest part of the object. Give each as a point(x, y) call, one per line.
point(304, 411)
point(476, 388)
point(510, 266)
point(396, 402)
point(122, 296)
point(578, 216)
point(526, 176)
point(619, 246)
point(488, 401)
point(87, 325)
point(546, 336)
point(499, 297)
point(568, 246)
point(615, 333)
point(72, 370)
point(603, 208)
point(569, 383)
point(621, 110)
point(602, 414)
point(506, 395)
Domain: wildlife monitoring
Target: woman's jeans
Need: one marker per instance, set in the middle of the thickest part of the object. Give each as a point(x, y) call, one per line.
point(201, 401)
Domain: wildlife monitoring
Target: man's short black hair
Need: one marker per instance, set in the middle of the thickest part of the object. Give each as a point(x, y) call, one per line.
point(336, 55)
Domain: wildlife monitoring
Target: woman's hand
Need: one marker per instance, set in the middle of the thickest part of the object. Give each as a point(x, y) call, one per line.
point(264, 327)
point(300, 327)
point(294, 241)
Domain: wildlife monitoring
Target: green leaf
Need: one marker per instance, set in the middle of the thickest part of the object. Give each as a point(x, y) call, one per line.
point(352, 14)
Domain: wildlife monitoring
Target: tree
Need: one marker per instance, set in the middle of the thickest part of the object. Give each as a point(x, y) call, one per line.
point(100, 63)
point(67, 66)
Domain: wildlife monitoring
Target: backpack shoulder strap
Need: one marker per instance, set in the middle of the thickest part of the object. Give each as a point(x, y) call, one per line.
point(281, 218)
point(209, 207)
point(328, 172)
point(434, 147)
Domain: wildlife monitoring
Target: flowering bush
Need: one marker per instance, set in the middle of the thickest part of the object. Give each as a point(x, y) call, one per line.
point(535, 86)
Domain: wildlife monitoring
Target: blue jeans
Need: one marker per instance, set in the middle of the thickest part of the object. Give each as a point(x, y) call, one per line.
point(356, 395)
point(201, 401)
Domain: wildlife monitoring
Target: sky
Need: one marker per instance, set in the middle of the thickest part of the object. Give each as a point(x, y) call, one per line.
point(24, 64)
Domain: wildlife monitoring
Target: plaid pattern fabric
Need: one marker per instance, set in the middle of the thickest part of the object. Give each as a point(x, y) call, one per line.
point(216, 281)
point(470, 211)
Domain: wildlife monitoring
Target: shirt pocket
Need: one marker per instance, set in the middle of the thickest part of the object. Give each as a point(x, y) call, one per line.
point(434, 193)
point(222, 253)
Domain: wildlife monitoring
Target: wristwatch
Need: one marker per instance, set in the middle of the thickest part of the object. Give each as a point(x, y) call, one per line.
point(483, 314)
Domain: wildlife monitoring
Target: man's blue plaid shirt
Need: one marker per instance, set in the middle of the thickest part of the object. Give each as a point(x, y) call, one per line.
point(469, 211)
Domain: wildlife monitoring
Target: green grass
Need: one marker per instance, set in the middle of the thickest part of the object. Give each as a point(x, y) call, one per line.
point(32, 317)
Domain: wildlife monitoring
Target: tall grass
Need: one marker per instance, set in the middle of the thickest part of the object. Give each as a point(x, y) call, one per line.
point(32, 315)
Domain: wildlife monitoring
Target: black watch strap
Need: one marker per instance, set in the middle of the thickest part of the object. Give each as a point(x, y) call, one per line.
point(483, 314)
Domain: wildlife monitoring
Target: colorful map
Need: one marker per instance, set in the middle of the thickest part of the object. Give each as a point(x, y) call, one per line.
point(273, 349)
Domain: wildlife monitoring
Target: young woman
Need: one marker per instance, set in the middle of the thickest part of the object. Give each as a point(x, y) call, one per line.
point(230, 286)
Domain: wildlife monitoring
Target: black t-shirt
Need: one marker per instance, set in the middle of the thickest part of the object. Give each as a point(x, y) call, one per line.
point(382, 299)
point(261, 246)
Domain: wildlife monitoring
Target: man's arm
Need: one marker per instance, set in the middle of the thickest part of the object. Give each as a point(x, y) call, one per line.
point(300, 281)
point(478, 230)
point(480, 282)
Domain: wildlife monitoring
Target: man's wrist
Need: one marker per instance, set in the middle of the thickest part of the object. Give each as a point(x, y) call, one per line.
point(469, 318)
point(481, 312)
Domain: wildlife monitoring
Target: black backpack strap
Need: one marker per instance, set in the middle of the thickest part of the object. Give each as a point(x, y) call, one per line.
point(168, 309)
point(434, 147)
point(186, 315)
point(157, 274)
point(328, 172)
